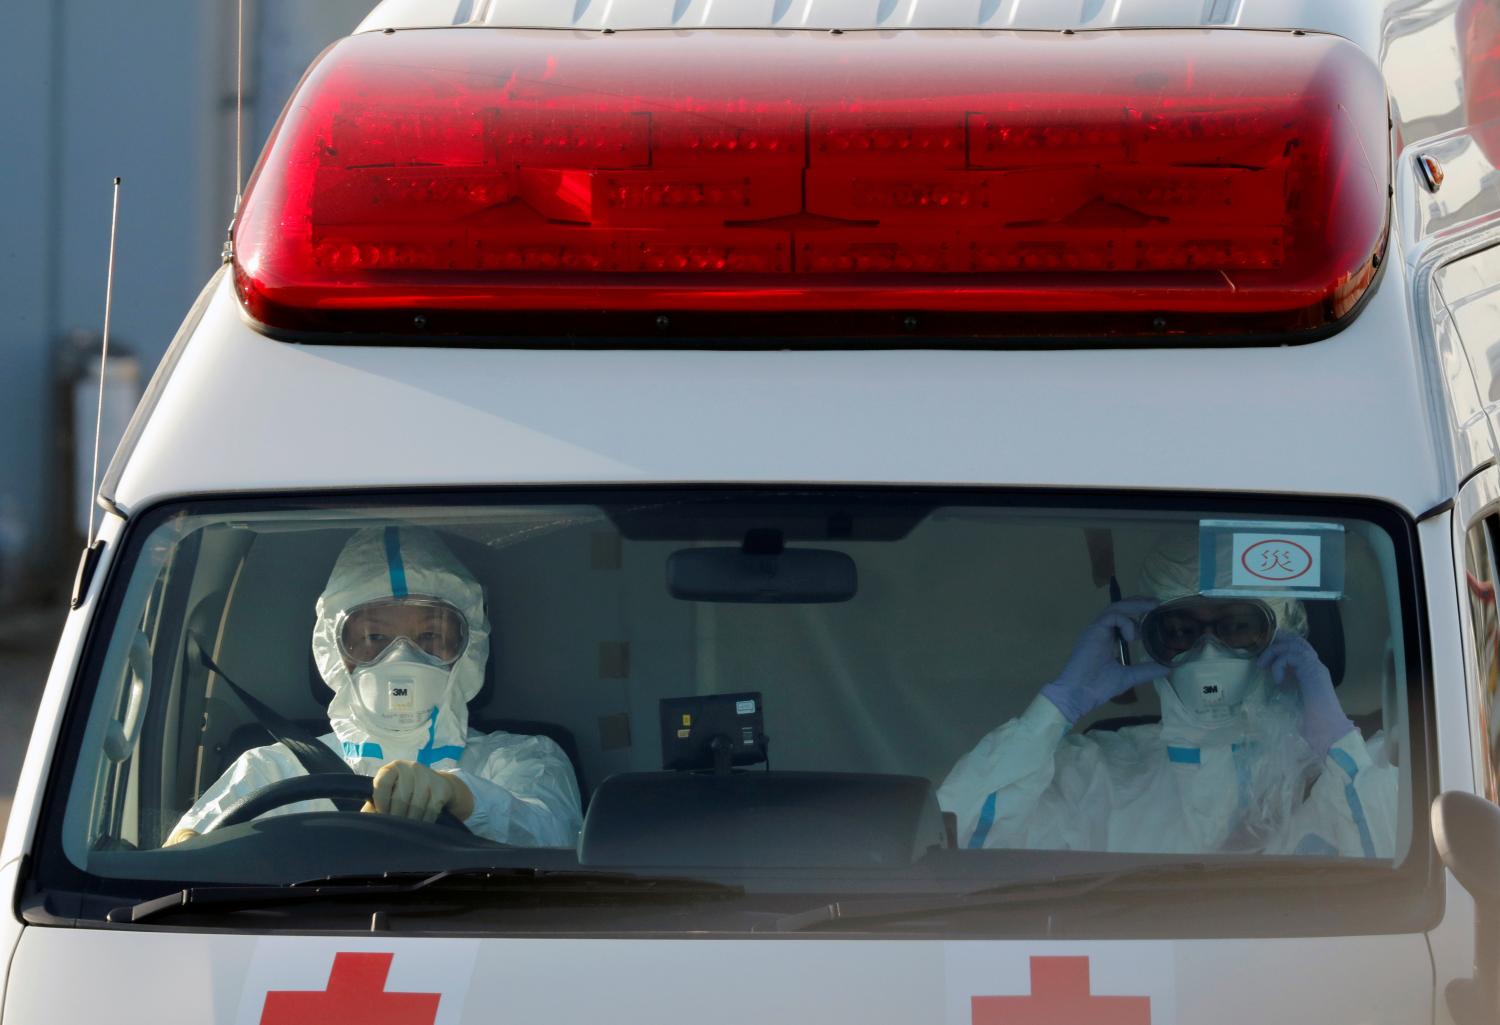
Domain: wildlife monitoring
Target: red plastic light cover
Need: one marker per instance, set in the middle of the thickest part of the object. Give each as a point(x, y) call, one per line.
point(469, 180)
point(1478, 24)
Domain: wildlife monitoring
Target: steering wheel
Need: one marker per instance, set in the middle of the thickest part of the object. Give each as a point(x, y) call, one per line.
point(333, 786)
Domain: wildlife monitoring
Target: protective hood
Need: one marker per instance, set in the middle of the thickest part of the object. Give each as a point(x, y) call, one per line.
point(386, 562)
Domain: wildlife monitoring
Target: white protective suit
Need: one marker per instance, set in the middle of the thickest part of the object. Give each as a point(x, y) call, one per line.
point(524, 789)
point(1177, 786)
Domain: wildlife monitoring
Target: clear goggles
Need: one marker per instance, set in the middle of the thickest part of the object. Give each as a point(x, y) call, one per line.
point(432, 626)
point(1174, 629)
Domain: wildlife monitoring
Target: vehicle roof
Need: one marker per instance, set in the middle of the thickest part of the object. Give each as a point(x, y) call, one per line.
point(243, 413)
point(1351, 18)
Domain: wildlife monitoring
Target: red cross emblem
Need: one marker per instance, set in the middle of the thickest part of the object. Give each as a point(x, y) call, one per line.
point(1060, 996)
point(355, 996)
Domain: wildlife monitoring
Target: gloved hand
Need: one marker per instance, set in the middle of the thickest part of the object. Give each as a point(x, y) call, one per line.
point(1094, 674)
point(410, 790)
point(1323, 718)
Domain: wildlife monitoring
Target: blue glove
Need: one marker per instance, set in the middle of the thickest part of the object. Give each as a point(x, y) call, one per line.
point(1323, 718)
point(1094, 674)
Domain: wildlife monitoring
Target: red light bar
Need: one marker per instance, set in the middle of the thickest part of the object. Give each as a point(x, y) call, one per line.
point(467, 181)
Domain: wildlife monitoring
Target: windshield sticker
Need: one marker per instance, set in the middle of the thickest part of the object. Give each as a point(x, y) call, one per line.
point(1270, 559)
point(296, 980)
point(1291, 560)
point(1023, 984)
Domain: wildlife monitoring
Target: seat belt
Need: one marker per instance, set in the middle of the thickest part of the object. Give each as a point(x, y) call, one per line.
point(314, 755)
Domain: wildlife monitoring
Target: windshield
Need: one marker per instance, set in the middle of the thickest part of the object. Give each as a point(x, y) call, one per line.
point(803, 693)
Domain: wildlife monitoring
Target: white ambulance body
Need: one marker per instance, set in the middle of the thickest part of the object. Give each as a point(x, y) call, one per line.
point(844, 361)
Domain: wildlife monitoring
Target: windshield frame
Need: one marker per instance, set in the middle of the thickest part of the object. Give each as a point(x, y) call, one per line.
point(53, 891)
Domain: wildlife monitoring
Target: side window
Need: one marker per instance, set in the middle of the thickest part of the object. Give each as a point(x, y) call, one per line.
point(1479, 559)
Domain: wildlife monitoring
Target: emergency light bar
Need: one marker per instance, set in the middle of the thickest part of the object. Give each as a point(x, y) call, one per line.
point(479, 181)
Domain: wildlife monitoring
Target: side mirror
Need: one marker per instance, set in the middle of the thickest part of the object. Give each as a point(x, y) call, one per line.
point(121, 734)
point(1466, 830)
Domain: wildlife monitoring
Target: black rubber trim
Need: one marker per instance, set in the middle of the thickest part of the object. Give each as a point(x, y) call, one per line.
point(1444, 506)
point(87, 563)
point(1487, 464)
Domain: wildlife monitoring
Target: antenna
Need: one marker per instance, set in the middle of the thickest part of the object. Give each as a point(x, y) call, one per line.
point(239, 104)
point(109, 297)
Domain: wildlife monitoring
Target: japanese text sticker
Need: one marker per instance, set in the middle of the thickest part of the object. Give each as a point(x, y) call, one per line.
point(1270, 559)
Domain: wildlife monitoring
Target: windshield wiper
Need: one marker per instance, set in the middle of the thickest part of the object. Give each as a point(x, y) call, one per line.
point(430, 889)
point(1065, 887)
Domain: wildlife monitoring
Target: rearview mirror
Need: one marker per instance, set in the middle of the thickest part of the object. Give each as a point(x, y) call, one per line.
point(791, 576)
point(1466, 830)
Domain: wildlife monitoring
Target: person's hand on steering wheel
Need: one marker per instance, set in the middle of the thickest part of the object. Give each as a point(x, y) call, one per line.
point(402, 790)
point(410, 790)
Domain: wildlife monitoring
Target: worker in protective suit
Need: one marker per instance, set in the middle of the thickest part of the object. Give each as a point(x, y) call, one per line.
point(402, 639)
point(1253, 752)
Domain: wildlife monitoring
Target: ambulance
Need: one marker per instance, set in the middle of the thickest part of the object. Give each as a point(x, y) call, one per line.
point(786, 386)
